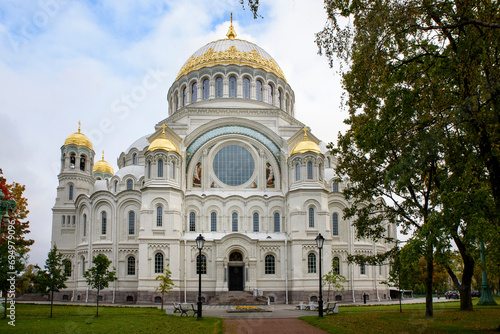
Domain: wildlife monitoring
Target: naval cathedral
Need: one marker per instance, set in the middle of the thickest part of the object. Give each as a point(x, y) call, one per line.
point(230, 162)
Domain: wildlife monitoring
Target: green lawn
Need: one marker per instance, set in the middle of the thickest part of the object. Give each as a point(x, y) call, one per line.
point(81, 319)
point(388, 319)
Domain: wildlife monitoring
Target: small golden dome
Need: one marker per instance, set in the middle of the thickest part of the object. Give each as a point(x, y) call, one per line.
point(163, 143)
point(305, 145)
point(103, 166)
point(78, 138)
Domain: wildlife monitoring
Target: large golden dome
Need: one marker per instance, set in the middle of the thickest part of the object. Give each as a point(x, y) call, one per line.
point(78, 138)
point(163, 143)
point(231, 51)
point(103, 166)
point(305, 146)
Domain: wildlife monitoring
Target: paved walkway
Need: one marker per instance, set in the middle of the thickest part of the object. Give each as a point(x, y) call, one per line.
point(269, 326)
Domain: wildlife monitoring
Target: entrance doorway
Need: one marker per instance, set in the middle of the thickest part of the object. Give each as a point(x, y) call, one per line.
point(236, 270)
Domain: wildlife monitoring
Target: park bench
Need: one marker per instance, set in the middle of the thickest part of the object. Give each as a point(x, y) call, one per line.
point(331, 308)
point(177, 308)
point(185, 308)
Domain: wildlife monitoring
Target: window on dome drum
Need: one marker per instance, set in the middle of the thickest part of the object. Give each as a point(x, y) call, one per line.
point(336, 265)
point(184, 97)
point(194, 93)
point(84, 224)
point(246, 88)
point(276, 222)
point(269, 265)
point(258, 90)
point(149, 170)
point(192, 221)
point(255, 222)
point(131, 265)
point(172, 170)
point(70, 195)
point(134, 159)
point(213, 222)
point(362, 269)
point(297, 172)
point(206, 89)
point(311, 263)
point(67, 268)
point(72, 161)
point(116, 186)
point(320, 172)
point(131, 222)
point(160, 168)
point(232, 86)
point(176, 102)
point(233, 165)
point(309, 170)
point(130, 184)
point(287, 107)
point(311, 217)
point(82, 162)
point(203, 265)
point(234, 222)
point(335, 187)
point(159, 216)
point(335, 224)
point(270, 95)
point(218, 88)
point(279, 99)
point(158, 263)
point(328, 163)
point(124, 162)
point(103, 222)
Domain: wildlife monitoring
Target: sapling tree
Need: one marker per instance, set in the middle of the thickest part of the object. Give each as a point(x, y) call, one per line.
point(98, 276)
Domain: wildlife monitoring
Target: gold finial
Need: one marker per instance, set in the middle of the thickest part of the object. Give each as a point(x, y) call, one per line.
point(79, 126)
point(163, 126)
point(305, 132)
point(231, 33)
point(102, 155)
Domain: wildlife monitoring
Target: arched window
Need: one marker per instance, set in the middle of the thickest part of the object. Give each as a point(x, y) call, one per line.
point(309, 170)
point(172, 170)
point(255, 222)
point(234, 221)
point(258, 90)
point(286, 104)
point(297, 172)
point(311, 263)
point(335, 187)
point(131, 265)
point(159, 216)
point(270, 95)
point(201, 265)
point(279, 99)
point(103, 222)
point(84, 224)
point(70, 195)
point(134, 159)
point(213, 222)
point(116, 186)
point(82, 162)
point(130, 184)
point(311, 217)
point(192, 221)
point(269, 265)
point(131, 222)
point(158, 263)
point(160, 168)
point(336, 265)
point(82, 259)
point(184, 97)
point(194, 93)
point(72, 161)
point(67, 268)
point(218, 88)
point(176, 102)
point(232, 86)
point(335, 224)
point(124, 162)
point(206, 89)
point(246, 88)
point(388, 231)
point(149, 169)
point(320, 172)
point(63, 219)
point(276, 222)
point(328, 163)
point(74, 220)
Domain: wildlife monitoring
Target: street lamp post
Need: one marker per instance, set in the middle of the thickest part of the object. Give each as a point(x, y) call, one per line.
point(319, 242)
point(200, 242)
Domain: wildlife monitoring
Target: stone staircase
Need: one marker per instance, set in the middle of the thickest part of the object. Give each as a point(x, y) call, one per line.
point(237, 298)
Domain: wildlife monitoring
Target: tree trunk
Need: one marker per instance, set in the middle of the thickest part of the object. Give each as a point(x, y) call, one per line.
point(467, 273)
point(429, 311)
point(97, 299)
point(51, 302)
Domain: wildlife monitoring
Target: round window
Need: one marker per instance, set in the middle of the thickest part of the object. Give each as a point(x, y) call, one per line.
point(233, 165)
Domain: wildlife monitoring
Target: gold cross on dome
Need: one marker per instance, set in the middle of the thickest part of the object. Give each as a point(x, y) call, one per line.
point(163, 126)
point(305, 132)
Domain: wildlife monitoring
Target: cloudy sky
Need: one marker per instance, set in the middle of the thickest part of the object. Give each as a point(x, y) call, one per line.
point(64, 61)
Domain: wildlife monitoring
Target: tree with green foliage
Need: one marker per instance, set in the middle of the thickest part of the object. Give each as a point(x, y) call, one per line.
point(333, 279)
point(166, 284)
point(424, 99)
point(14, 246)
point(98, 276)
point(52, 278)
